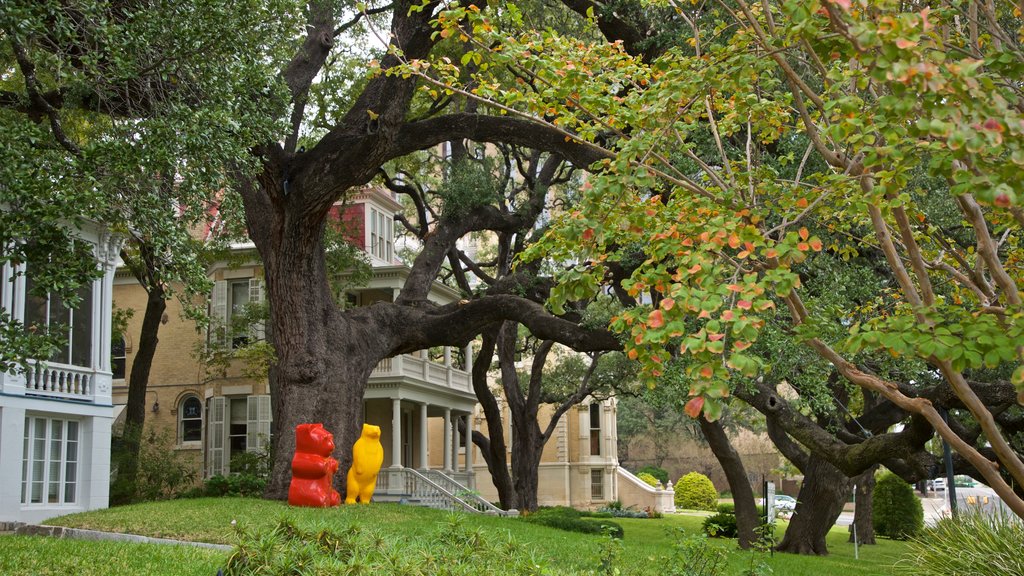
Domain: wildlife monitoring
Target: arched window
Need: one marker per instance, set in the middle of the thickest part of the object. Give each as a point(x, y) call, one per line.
point(118, 356)
point(190, 420)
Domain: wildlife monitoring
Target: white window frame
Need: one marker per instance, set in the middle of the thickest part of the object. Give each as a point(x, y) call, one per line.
point(182, 443)
point(30, 456)
point(85, 307)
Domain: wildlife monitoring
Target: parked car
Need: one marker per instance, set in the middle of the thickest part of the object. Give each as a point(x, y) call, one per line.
point(939, 485)
point(961, 481)
point(784, 504)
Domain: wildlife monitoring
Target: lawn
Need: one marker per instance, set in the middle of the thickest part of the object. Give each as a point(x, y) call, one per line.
point(647, 545)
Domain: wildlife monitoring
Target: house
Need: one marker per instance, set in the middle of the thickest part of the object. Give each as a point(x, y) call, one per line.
point(55, 417)
point(418, 399)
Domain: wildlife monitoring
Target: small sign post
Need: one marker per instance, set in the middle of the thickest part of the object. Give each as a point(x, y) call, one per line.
point(769, 510)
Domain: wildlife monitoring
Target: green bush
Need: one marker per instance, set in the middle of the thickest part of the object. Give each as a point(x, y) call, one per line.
point(896, 511)
point(693, 555)
point(973, 543)
point(660, 473)
point(649, 479)
point(695, 491)
point(572, 520)
point(250, 471)
point(162, 473)
point(720, 525)
point(726, 508)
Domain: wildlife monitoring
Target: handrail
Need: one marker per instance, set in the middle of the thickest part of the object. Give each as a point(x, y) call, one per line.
point(475, 499)
point(421, 488)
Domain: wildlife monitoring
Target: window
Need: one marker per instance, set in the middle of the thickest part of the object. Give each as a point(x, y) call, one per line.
point(118, 357)
point(381, 235)
point(190, 420)
point(595, 429)
point(50, 313)
point(49, 466)
point(597, 484)
point(238, 292)
point(237, 427)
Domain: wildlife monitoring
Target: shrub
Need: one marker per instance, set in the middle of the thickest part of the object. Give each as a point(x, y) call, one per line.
point(649, 479)
point(720, 525)
point(694, 556)
point(249, 479)
point(622, 513)
point(695, 491)
point(972, 543)
point(896, 511)
point(660, 473)
point(162, 472)
point(726, 508)
point(572, 520)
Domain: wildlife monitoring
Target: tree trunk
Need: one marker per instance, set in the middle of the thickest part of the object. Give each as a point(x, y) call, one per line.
point(862, 515)
point(324, 360)
point(819, 504)
point(526, 452)
point(747, 519)
point(123, 491)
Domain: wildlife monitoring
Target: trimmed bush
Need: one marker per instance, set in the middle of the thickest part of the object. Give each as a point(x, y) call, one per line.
point(571, 520)
point(648, 479)
point(720, 525)
point(726, 508)
point(897, 512)
point(695, 491)
point(973, 543)
point(660, 473)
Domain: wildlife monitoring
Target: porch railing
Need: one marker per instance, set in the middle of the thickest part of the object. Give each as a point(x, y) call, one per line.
point(56, 381)
point(466, 494)
point(409, 366)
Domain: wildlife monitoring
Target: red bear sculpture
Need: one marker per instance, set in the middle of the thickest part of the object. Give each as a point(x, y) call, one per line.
point(313, 468)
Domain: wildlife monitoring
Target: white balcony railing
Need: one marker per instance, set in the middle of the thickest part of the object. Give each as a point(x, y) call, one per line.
point(59, 381)
point(408, 366)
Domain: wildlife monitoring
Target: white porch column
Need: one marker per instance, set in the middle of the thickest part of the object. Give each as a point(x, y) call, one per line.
point(448, 372)
point(469, 358)
point(424, 464)
point(469, 442)
point(447, 449)
point(396, 433)
point(448, 356)
point(455, 443)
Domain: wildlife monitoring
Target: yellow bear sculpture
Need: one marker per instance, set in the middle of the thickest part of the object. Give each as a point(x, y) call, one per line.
point(367, 458)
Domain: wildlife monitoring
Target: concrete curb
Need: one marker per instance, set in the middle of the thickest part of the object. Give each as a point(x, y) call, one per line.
point(82, 534)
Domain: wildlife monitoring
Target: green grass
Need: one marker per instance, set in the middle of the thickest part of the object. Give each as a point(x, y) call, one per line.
point(39, 556)
point(646, 546)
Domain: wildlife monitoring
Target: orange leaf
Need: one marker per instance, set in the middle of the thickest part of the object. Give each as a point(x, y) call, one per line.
point(706, 371)
point(740, 345)
point(727, 315)
point(694, 406)
point(801, 203)
point(771, 253)
point(715, 337)
point(632, 354)
point(734, 241)
point(816, 245)
point(668, 304)
point(804, 233)
point(588, 234)
point(655, 319)
point(744, 304)
point(694, 269)
point(803, 247)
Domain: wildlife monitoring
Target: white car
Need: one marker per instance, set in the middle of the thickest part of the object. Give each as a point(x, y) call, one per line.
point(784, 504)
point(939, 484)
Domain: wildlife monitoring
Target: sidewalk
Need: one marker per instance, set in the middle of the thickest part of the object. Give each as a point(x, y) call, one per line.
point(82, 534)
